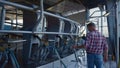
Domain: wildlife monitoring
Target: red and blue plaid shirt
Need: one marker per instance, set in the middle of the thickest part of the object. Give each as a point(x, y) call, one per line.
point(96, 43)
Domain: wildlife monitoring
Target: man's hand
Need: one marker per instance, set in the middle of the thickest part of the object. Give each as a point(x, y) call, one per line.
point(105, 57)
point(75, 46)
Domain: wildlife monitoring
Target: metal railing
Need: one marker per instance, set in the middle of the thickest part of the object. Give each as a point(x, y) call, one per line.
point(42, 12)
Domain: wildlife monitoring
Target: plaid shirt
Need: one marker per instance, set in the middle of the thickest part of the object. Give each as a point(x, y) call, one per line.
point(96, 43)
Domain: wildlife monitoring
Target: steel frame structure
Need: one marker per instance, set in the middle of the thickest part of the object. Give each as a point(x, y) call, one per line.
point(118, 33)
point(40, 20)
point(2, 17)
point(42, 13)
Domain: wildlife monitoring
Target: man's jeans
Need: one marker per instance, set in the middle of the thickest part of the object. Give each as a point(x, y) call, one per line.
point(94, 60)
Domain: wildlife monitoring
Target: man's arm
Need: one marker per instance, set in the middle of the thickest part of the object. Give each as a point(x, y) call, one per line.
point(78, 47)
point(105, 53)
point(87, 42)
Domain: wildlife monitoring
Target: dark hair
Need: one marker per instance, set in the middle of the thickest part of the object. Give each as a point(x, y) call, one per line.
point(91, 24)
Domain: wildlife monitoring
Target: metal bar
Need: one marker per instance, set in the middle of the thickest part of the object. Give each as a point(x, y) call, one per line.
point(14, 13)
point(97, 16)
point(16, 20)
point(11, 31)
point(40, 17)
point(42, 14)
point(94, 12)
point(13, 23)
point(63, 26)
point(76, 56)
point(59, 57)
point(87, 19)
point(101, 23)
point(30, 32)
point(16, 41)
point(97, 11)
point(30, 48)
point(13, 58)
point(56, 33)
point(77, 30)
point(118, 35)
point(60, 27)
point(1, 54)
point(44, 24)
point(3, 11)
point(71, 28)
point(6, 59)
point(98, 24)
point(50, 14)
point(39, 21)
point(16, 5)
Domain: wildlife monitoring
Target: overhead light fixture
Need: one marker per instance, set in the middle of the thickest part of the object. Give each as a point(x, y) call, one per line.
point(106, 14)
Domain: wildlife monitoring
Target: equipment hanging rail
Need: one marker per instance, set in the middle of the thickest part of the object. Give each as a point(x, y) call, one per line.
point(30, 32)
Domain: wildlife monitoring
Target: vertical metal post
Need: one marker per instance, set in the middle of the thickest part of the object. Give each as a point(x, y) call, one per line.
point(40, 24)
point(98, 24)
point(118, 31)
point(44, 24)
point(72, 27)
point(77, 30)
point(30, 50)
point(101, 23)
point(16, 20)
point(42, 12)
point(112, 28)
point(11, 24)
point(87, 19)
point(61, 29)
point(2, 17)
point(40, 21)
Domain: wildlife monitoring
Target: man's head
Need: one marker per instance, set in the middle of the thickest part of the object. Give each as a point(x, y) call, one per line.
point(91, 27)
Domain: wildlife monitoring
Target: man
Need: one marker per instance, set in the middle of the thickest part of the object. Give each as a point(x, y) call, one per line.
point(96, 47)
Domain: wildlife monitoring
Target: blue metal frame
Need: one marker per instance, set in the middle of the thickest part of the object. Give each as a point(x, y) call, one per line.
point(112, 27)
point(9, 53)
point(31, 29)
point(2, 17)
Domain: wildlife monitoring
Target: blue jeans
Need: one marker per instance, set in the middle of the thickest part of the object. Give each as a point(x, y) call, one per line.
point(95, 60)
